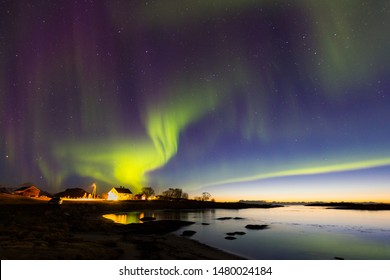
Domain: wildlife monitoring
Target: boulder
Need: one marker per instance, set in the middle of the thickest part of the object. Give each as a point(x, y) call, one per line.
point(235, 233)
point(188, 233)
point(230, 238)
point(257, 227)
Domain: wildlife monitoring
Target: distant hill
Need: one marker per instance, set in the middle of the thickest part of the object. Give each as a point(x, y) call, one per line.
point(253, 201)
point(5, 189)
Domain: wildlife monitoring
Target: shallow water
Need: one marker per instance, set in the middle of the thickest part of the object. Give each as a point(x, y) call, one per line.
point(295, 232)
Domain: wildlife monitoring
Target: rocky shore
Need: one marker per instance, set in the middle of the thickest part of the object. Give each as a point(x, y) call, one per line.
point(34, 229)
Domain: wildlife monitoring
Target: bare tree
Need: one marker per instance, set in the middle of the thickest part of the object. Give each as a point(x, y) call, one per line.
point(172, 193)
point(148, 191)
point(206, 196)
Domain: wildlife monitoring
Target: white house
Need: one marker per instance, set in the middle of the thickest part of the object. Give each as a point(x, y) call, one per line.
point(120, 193)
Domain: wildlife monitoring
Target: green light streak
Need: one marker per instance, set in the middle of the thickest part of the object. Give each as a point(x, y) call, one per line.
point(350, 166)
point(165, 121)
point(127, 161)
point(120, 162)
point(55, 178)
point(344, 59)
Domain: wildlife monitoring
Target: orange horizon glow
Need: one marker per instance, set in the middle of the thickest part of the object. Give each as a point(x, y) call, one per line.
point(303, 199)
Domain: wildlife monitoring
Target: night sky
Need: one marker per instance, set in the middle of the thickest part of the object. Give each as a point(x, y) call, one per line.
point(245, 99)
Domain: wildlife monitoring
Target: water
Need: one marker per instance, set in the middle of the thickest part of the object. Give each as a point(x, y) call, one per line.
point(295, 232)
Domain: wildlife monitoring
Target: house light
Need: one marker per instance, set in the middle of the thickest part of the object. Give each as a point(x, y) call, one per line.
point(112, 196)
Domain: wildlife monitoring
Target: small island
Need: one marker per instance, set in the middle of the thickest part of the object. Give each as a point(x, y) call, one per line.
point(352, 205)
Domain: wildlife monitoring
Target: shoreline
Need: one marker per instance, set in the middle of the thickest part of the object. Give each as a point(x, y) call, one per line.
point(32, 229)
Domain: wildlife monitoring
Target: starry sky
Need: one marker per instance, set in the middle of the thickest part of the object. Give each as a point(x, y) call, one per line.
point(250, 99)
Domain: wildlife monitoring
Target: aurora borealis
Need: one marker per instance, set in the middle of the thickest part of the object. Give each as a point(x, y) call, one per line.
point(279, 100)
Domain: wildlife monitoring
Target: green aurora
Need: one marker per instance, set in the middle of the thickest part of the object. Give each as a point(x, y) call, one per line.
point(192, 94)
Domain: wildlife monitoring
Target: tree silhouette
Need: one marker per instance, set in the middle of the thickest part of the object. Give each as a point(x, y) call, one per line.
point(206, 196)
point(172, 193)
point(184, 196)
point(148, 191)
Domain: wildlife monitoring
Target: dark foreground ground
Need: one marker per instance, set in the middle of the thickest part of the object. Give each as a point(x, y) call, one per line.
point(34, 229)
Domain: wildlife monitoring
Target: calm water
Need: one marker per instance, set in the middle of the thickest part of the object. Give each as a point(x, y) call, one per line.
point(296, 232)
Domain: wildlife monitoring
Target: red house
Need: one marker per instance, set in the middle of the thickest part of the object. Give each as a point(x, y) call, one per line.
point(29, 191)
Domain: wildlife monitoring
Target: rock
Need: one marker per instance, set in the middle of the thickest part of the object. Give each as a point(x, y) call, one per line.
point(230, 238)
point(224, 218)
point(238, 218)
point(235, 233)
point(258, 227)
point(338, 258)
point(188, 233)
point(205, 224)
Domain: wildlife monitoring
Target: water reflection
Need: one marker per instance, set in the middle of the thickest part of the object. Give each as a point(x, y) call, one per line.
point(203, 216)
point(124, 218)
point(295, 232)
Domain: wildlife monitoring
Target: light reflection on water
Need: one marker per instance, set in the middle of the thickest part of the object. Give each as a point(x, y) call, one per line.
point(135, 217)
point(296, 232)
point(123, 218)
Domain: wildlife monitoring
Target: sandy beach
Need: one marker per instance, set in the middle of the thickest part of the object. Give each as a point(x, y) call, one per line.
point(33, 229)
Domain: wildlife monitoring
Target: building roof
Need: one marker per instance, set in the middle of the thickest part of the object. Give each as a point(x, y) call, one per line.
point(123, 190)
point(72, 192)
point(25, 188)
